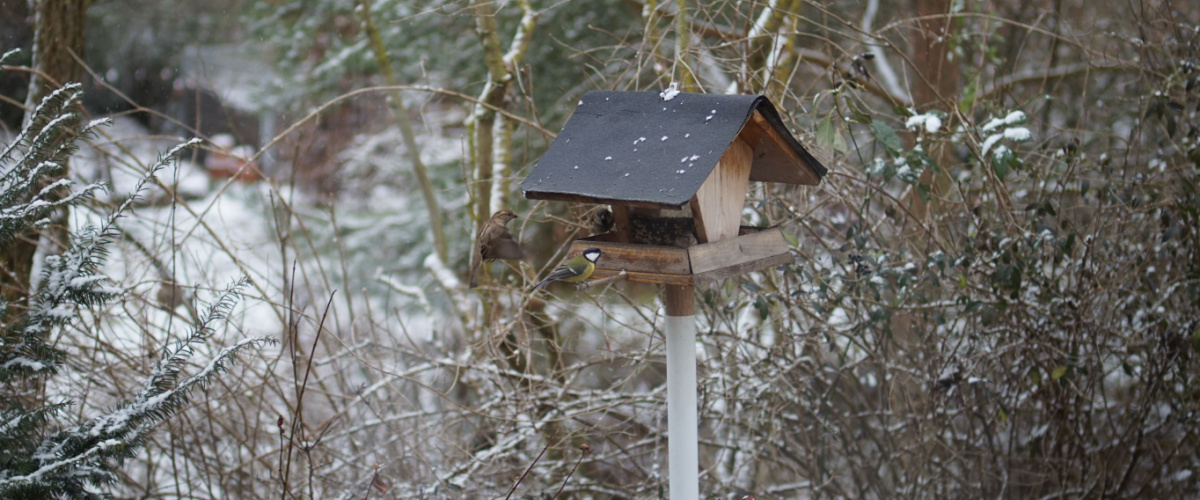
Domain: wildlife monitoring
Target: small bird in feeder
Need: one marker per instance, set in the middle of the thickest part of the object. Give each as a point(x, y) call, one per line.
point(494, 241)
point(601, 220)
point(574, 270)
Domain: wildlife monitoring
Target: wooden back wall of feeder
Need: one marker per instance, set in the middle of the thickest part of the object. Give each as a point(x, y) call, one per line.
point(697, 152)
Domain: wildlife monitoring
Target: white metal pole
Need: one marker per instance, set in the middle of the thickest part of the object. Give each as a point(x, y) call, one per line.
point(682, 422)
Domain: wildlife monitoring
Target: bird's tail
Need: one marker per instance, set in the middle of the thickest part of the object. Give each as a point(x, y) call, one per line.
point(474, 278)
point(473, 281)
point(539, 285)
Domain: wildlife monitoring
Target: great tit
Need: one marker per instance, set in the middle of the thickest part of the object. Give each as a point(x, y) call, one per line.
point(574, 270)
point(494, 241)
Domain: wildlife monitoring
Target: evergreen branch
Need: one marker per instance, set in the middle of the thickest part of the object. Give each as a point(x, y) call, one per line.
point(85, 450)
point(34, 478)
point(46, 121)
point(68, 279)
point(67, 463)
point(163, 394)
point(163, 161)
point(16, 218)
point(166, 371)
point(19, 429)
point(72, 277)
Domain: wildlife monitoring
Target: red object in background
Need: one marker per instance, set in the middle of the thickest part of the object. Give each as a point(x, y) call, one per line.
point(226, 161)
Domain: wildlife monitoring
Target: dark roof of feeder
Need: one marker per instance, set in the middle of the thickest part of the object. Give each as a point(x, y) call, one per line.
point(639, 148)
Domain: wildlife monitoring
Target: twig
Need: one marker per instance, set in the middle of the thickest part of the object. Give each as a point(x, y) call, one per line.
point(535, 461)
point(586, 451)
point(300, 395)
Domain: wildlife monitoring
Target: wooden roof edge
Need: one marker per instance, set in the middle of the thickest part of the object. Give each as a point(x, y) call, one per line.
point(552, 196)
point(768, 111)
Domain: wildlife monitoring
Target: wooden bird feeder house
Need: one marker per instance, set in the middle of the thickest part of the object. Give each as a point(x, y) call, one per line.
point(675, 170)
point(675, 173)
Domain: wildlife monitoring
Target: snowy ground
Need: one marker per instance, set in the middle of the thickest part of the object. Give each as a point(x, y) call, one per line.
point(205, 243)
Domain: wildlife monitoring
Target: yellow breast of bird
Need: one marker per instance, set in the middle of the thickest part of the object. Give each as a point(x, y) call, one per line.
point(587, 271)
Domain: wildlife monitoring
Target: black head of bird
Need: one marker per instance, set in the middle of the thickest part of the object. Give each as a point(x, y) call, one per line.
point(494, 241)
point(573, 270)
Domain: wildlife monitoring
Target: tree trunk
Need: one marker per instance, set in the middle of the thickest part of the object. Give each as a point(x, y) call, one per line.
point(59, 27)
point(935, 85)
point(58, 32)
point(491, 133)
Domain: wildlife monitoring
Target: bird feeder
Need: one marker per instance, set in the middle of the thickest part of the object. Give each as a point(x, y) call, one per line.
point(675, 168)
